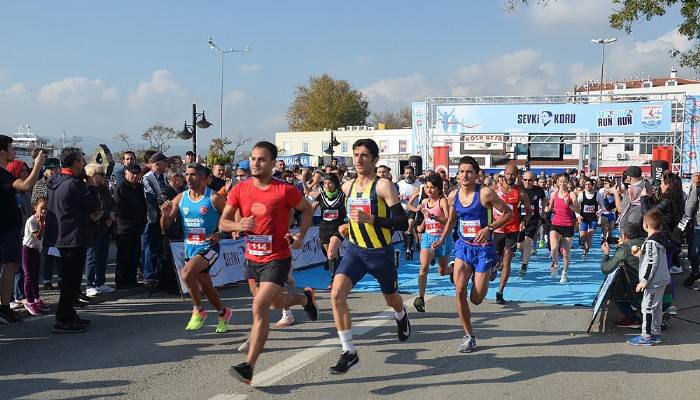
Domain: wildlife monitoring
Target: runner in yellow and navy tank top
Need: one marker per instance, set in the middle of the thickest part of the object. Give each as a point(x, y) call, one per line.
point(374, 212)
point(470, 208)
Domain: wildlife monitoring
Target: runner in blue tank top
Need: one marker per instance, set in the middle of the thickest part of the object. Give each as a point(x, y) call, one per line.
point(470, 210)
point(198, 209)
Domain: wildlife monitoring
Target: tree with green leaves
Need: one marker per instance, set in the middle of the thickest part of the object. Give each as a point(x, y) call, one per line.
point(218, 152)
point(326, 103)
point(158, 137)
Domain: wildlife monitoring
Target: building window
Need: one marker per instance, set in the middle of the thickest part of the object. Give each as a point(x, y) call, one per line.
point(324, 145)
point(287, 146)
point(647, 84)
point(620, 86)
point(671, 83)
point(305, 147)
point(568, 147)
point(344, 147)
point(629, 142)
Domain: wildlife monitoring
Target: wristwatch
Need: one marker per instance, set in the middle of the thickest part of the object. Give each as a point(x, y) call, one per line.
point(490, 228)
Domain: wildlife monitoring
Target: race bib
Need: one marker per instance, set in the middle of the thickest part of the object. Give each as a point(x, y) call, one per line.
point(330, 215)
point(588, 209)
point(432, 226)
point(469, 229)
point(361, 204)
point(259, 245)
point(196, 236)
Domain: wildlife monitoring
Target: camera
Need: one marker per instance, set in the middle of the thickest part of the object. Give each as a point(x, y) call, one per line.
point(612, 240)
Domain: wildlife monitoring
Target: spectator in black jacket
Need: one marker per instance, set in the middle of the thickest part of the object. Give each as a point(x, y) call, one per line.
point(130, 207)
point(67, 230)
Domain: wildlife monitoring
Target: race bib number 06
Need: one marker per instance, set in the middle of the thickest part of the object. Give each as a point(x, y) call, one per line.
point(469, 229)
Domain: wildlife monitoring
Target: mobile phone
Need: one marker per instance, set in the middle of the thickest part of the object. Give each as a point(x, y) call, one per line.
point(612, 240)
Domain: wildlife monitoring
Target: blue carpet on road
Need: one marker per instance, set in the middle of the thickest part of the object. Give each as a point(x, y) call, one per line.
point(584, 279)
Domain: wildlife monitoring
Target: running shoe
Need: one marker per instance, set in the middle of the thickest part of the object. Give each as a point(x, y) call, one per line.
point(16, 305)
point(243, 372)
point(542, 243)
point(197, 320)
point(533, 251)
point(345, 362)
point(553, 270)
point(672, 310)
point(403, 327)
point(68, 327)
point(641, 341)
point(33, 308)
point(676, 270)
point(311, 308)
point(43, 306)
point(419, 304)
point(243, 348)
point(92, 292)
point(286, 320)
point(468, 344)
point(494, 271)
point(222, 325)
point(523, 271)
point(105, 289)
point(564, 277)
point(499, 298)
point(656, 339)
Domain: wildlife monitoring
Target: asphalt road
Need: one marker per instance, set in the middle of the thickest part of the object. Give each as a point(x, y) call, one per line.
point(137, 348)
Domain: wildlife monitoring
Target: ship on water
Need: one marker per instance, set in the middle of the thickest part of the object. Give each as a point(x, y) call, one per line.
point(25, 141)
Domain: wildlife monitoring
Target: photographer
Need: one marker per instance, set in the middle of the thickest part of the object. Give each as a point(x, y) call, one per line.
point(623, 290)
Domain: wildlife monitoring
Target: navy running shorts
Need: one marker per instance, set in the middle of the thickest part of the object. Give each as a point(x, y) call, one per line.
point(480, 257)
point(359, 261)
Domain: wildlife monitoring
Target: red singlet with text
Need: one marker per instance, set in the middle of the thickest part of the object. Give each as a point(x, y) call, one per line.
point(270, 207)
point(512, 199)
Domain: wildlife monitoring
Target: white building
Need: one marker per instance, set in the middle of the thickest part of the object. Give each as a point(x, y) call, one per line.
point(393, 143)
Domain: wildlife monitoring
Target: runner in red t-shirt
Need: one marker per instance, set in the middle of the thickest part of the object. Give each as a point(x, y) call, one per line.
point(259, 207)
point(506, 238)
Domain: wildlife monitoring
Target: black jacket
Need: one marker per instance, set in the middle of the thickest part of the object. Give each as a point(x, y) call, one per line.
point(106, 207)
point(70, 203)
point(130, 207)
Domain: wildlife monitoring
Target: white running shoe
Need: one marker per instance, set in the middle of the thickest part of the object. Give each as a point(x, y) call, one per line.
point(243, 348)
point(676, 270)
point(105, 289)
point(287, 318)
point(564, 277)
point(92, 292)
point(16, 305)
point(468, 344)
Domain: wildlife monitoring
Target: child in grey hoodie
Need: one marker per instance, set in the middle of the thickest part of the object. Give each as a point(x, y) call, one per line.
point(653, 278)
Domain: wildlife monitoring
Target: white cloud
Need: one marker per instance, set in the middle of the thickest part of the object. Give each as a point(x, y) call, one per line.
point(235, 98)
point(669, 40)
point(570, 13)
point(18, 89)
point(397, 92)
point(161, 83)
point(246, 68)
point(74, 91)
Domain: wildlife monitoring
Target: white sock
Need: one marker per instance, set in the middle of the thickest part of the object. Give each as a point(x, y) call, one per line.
point(286, 313)
point(399, 315)
point(346, 340)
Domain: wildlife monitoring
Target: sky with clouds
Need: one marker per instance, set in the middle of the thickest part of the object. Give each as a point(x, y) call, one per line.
point(97, 69)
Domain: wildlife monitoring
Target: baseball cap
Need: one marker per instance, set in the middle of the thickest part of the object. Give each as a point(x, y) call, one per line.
point(634, 172)
point(157, 157)
point(245, 165)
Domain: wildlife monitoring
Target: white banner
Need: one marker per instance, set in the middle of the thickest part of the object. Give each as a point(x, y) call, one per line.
point(230, 266)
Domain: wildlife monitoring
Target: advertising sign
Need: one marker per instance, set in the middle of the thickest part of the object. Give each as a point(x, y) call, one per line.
point(651, 116)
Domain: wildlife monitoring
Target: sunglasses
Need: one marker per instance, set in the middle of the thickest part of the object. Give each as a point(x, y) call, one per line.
point(528, 180)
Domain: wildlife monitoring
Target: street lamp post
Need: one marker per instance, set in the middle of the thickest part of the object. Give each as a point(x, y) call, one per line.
point(186, 133)
point(213, 46)
point(602, 43)
point(330, 150)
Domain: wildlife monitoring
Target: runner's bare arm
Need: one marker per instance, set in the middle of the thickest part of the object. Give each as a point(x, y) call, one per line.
point(575, 205)
point(232, 221)
point(169, 211)
point(451, 216)
point(491, 200)
point(525, 200)
point(414, 196)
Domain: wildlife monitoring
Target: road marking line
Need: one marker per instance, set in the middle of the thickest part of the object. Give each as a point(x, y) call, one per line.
point(229, 397)
point(296, 362)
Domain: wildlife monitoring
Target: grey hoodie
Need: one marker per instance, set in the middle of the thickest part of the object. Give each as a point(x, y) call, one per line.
point(692, 211)
point(653, 264)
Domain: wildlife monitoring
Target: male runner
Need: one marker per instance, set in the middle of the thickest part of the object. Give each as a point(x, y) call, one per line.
point(374, 211)
point(198, 209)
point(474, 250)
point(407, 186)
point(588, 219)
point(505, 238)
point(537, 199)
point(264, 205)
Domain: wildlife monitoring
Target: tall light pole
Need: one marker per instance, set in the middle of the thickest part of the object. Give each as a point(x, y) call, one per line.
point(213, 46)
point(187, 134)
point(602, 43)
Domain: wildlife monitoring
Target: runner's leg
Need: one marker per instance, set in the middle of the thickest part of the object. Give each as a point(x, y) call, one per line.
point(261, 315)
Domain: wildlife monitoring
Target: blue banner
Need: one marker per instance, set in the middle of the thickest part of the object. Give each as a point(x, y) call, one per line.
point(633, 117)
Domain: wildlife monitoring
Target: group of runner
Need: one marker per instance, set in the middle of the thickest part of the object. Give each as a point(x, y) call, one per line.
point(481, 225)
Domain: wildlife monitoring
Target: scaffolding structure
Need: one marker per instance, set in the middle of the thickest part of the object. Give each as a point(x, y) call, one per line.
point(678, 137)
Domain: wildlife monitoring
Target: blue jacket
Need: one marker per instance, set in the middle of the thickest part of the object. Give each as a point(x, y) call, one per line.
point(70, 203)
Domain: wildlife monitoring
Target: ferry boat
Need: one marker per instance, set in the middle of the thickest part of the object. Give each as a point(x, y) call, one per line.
point(25, 141)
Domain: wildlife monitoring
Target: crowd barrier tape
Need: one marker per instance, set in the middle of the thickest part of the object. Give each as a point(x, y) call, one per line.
point(230, 266)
